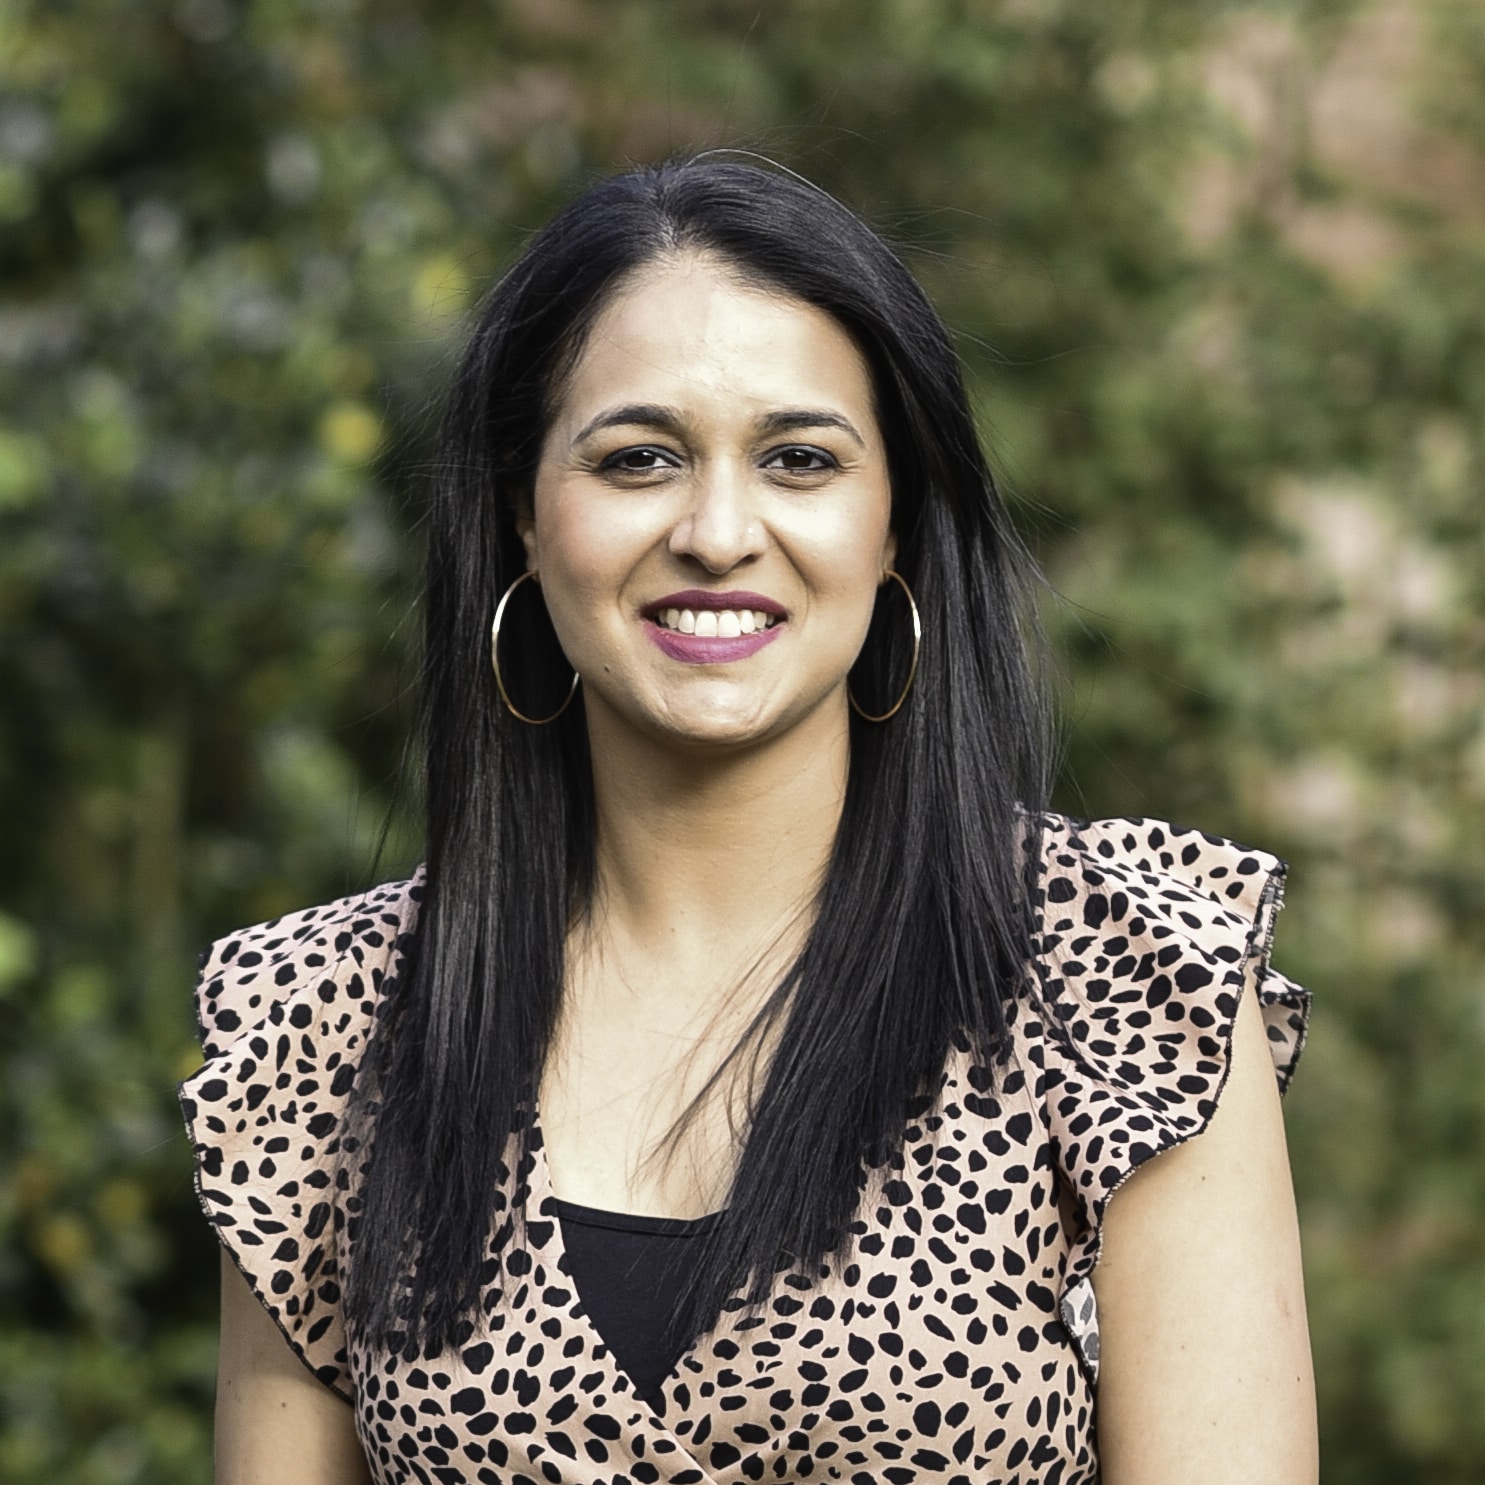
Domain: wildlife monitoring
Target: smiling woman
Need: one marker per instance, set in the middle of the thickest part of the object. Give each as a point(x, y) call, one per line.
point(741, 1089)
point(711, 429)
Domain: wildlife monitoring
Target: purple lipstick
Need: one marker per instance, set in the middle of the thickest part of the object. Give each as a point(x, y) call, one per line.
point(699, 627)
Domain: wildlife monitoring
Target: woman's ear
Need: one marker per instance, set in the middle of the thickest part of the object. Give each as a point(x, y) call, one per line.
point(526, 530)
point(889, 552)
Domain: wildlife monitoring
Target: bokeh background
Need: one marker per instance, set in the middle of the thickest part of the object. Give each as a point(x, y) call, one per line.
point(1217, 271)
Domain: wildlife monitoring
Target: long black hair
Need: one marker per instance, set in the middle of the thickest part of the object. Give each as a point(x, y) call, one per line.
point(921, 931)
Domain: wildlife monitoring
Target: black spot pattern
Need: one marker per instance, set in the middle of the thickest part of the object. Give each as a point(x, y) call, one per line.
point(957, 1341)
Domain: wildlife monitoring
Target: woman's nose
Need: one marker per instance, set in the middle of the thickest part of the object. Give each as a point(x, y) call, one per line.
point(720, 526)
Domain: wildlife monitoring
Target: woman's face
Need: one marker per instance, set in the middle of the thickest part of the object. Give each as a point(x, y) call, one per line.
point(711, 513)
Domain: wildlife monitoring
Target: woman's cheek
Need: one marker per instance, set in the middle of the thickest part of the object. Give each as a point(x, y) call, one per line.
point(580, 557)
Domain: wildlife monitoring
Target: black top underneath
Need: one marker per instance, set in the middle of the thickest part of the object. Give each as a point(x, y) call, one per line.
point(630, 1273)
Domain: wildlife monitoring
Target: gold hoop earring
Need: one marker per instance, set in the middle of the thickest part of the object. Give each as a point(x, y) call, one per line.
point(510, 706)
point(912, 668)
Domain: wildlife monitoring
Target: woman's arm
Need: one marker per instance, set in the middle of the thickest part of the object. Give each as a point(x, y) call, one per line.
point(276, 1425)
point(1205, 1371)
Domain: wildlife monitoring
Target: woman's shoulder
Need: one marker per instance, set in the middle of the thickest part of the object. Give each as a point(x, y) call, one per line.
point(1147, 937)
point(286, 1009)
point(1080, 858)
point(339, 951)
point(1147, 933)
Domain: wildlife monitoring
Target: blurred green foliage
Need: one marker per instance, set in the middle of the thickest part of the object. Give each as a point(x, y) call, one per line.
point(1216, 269)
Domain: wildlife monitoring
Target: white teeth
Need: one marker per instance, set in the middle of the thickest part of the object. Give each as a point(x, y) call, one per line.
point(727, 623)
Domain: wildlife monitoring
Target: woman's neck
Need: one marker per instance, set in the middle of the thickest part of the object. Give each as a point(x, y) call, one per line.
point(707, 872)
point(708, 858)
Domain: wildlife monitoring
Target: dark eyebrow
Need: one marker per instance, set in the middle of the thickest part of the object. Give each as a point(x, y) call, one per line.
point(668, 420)
point(634, 415)
point(795, 420)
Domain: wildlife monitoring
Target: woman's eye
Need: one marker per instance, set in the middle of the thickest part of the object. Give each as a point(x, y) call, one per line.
point(800, 459)
point(639, 460)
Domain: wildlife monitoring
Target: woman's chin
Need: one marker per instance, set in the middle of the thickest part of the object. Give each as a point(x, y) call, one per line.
point(721, 712)
point(724, 722)
point(722, 728)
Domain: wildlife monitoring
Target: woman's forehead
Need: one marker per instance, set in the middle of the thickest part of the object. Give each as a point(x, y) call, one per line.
point(691, 332)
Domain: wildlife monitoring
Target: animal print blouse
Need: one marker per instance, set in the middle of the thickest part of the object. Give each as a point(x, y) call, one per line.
point(958, 1339)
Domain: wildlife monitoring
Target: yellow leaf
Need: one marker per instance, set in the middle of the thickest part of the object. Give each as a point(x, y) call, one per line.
point(24, 469)
point(440, 287)
point(350, 432)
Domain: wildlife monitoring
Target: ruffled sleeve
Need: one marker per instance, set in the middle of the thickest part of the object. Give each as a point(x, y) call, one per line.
point(1151, 934)
point(285, 1009)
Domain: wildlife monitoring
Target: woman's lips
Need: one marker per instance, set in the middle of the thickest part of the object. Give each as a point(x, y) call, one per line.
point(698, 627)
point(702, 649)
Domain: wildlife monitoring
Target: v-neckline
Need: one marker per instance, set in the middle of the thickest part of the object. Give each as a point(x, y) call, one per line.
point(542, 1201)
point(635, 1222)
